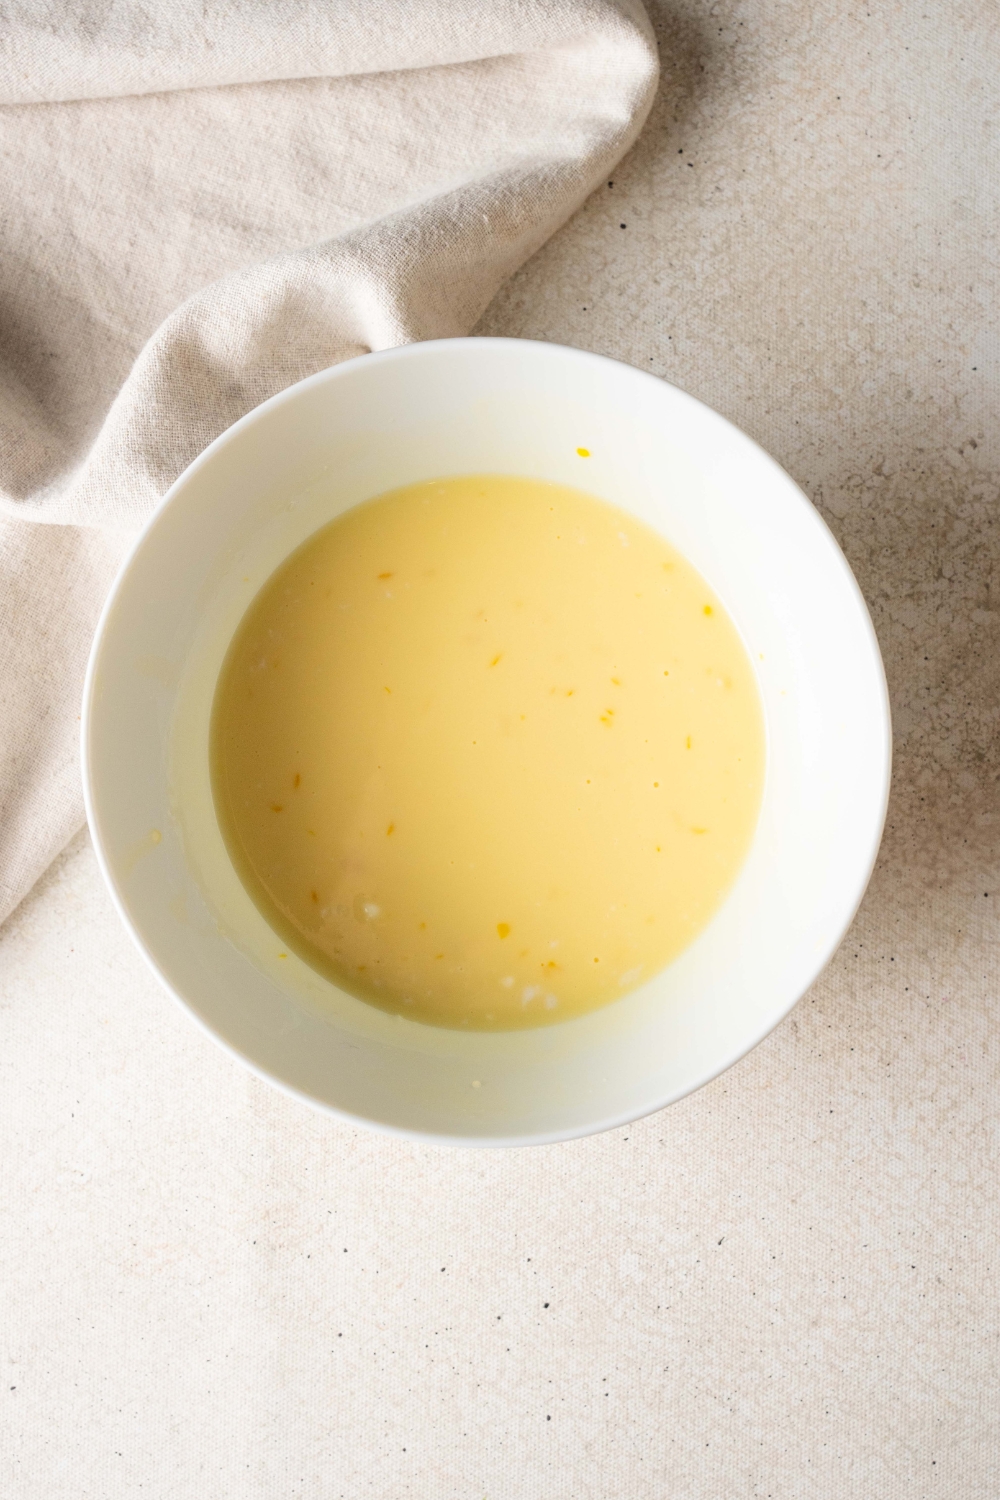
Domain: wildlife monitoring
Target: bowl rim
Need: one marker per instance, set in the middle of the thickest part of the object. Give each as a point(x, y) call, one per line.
point(415, 351)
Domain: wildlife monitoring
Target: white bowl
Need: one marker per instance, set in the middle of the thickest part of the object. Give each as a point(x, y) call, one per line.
point(471, 406)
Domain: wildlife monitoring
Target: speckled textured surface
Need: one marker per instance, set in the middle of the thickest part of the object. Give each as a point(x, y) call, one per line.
point(785, 1285)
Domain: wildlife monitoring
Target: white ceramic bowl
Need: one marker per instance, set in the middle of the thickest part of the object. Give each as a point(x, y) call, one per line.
point(456, 407)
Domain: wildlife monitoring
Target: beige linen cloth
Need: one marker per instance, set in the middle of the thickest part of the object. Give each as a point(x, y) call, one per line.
point(206, 200)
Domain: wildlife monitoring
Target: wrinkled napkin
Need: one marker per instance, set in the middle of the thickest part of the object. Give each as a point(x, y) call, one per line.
point(206, 200)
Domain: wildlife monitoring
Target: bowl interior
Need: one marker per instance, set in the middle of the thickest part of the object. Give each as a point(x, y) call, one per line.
point(456, 407)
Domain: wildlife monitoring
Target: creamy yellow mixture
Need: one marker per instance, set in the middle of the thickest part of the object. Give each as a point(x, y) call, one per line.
point(487, 752)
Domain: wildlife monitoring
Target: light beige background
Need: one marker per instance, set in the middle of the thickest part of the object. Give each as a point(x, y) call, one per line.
point(784, 1286)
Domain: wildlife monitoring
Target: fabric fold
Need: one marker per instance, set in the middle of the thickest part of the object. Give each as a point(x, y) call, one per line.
point(177, 254)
